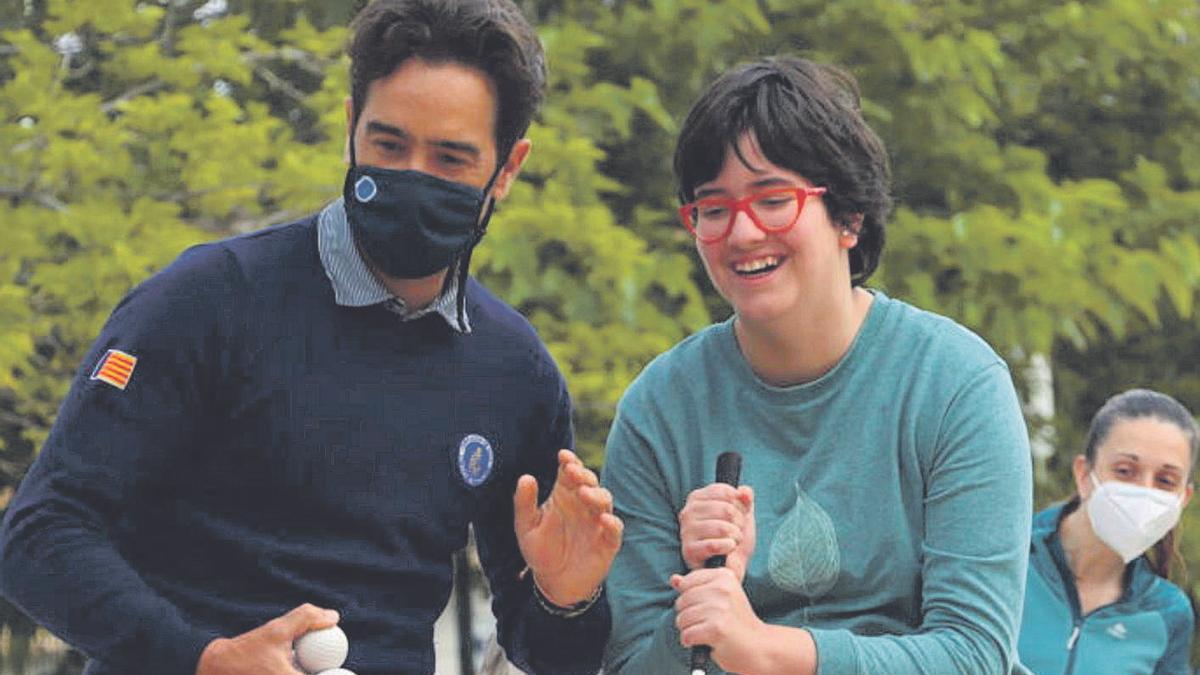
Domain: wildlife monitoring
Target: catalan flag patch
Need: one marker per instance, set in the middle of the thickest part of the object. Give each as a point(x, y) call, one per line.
point(116, 368)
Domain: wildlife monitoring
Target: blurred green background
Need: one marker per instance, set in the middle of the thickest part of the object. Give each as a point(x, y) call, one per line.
point(1046, 159)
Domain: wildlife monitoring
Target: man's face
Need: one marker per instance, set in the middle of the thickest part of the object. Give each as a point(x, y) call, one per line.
point(436, 118)
point(439, 119)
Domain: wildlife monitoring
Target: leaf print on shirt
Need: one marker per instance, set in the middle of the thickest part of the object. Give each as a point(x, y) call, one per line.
point(804, 556)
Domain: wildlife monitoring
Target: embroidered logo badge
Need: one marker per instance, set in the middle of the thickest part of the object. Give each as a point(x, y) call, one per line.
point(1118, 631)
point(115, 368)
point(475, 459)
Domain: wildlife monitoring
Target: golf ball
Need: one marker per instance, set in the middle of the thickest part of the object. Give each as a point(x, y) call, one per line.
point(321, 650)
point(336, 671)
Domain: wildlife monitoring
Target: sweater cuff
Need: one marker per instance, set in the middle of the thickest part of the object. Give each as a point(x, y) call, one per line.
point(180, 652)
point(567, 645)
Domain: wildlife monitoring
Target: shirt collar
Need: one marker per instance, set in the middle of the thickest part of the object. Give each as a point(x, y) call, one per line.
point(355, 286)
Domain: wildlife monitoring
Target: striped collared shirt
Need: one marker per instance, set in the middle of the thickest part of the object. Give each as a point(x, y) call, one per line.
point(355, 286)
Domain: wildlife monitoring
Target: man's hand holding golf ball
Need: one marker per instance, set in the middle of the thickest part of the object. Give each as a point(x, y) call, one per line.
point(268, 649)
point(569, 542)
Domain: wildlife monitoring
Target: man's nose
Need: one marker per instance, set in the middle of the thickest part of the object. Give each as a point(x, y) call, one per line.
point(410, 163)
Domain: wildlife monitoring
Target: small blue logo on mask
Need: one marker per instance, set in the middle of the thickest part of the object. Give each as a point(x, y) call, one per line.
point(365, 189)
point(475, 459)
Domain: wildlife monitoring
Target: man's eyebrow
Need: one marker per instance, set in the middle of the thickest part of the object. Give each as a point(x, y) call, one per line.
point(459, 146)
point(380, 127)
point(454, 146)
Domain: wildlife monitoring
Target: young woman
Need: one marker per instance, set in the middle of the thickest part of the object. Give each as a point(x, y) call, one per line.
point(882, 523)
point(1098, 599)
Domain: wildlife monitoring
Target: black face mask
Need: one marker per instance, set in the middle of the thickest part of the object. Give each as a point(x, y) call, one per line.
point(411, 224)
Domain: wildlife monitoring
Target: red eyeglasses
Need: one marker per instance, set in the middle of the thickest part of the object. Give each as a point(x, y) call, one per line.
point(776, 210)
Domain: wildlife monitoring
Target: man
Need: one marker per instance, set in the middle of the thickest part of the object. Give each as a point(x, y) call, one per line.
point(316, 412)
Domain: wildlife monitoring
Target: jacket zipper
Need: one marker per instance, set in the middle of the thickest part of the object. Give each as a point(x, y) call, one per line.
point(1077, 616)
point(1071, 647)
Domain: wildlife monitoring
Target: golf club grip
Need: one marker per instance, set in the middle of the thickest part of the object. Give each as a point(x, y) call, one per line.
point(729, 471)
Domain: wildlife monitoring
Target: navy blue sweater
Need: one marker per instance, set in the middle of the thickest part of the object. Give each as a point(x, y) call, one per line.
point(272, 448)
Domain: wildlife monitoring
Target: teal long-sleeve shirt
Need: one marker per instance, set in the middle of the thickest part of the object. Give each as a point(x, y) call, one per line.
point(893, 497)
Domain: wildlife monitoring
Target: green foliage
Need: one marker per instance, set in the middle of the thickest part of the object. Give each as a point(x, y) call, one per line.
point(152, 132)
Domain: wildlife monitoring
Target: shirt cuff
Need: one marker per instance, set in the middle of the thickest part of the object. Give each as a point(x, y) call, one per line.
point(836, 652)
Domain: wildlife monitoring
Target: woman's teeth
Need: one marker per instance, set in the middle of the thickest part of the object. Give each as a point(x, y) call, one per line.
point(757, 266)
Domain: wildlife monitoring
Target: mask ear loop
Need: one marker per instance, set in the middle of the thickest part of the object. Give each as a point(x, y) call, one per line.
point(464, 262)
point(353, 131)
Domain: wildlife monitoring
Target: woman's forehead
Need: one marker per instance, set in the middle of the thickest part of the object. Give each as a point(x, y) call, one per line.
point(745, 161)
point(1147, 440)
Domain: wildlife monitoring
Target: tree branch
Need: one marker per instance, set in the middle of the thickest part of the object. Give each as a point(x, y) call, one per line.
point(243, 225)
point(167, 39)
point(47, 200)
point(276, 82)
point(252, 224)
point(133, 92)
point(311, 63)
point(15, 420)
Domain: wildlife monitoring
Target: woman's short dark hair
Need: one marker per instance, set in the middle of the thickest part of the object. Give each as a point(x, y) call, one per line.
point(489, 35)
point(806, 118)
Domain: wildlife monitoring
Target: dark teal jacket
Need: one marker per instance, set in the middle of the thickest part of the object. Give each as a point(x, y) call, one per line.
point(1148, 630)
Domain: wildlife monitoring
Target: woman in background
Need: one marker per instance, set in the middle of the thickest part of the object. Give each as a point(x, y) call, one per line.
point(1097, 598)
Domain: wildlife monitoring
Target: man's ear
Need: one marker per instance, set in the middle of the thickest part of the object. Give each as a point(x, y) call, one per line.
point(512, 167)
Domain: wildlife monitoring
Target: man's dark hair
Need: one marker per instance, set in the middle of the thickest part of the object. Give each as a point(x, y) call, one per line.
point(489, 35)
point(805, 118)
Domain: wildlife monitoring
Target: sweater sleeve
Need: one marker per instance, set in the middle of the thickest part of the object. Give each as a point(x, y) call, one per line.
point(111, 450)
point(533, 639)
point(976, 547)
point(645, 639)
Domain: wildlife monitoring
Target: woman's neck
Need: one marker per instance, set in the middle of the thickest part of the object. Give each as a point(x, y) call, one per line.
point(801, 348)
point(1099, 572)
